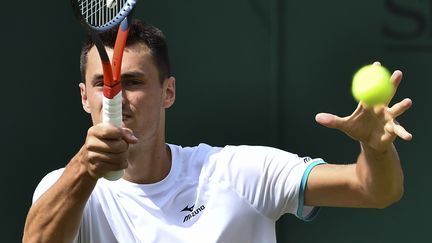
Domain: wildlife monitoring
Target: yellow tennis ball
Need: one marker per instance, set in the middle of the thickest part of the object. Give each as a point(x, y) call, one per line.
point(372, 85)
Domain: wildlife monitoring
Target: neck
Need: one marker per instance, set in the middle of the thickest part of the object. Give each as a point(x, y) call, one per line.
point(148, 163)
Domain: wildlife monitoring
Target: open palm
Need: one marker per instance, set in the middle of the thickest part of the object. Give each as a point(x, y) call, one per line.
point(374, 126)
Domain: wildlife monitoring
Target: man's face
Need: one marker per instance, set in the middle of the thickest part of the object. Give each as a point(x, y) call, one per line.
point(144, 97)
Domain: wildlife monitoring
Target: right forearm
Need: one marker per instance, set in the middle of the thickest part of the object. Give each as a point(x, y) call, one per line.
point(56, 215)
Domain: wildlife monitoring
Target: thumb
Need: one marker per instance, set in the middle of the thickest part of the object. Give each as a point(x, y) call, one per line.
point(329, 120)
point(128, 136)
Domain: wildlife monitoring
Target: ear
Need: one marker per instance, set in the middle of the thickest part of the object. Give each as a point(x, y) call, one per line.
point(169, 92)
point(84, 99)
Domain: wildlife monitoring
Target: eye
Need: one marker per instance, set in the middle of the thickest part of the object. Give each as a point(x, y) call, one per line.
point(132, 82)
point(99, 84)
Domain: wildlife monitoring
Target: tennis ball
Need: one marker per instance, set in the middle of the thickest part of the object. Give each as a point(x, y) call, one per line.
point(372, 85)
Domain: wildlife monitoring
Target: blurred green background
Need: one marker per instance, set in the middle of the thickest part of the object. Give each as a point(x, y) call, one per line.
point(248, 72)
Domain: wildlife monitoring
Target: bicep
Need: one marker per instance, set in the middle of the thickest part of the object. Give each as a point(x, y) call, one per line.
point(334, 186)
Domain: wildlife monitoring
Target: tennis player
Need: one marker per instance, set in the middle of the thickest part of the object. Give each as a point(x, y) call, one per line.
point(199, 194)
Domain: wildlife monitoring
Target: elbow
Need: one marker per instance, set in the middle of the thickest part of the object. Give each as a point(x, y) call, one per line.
point(389, 197)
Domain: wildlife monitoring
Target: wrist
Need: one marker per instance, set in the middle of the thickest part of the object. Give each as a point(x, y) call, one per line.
point(79, 165)
point(382, 151)
point(385, 156)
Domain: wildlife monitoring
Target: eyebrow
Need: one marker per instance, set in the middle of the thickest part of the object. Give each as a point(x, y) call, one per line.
point(127, 75)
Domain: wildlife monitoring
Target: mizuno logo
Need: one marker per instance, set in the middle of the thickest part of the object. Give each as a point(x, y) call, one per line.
point(193, 213)
point(190, 209)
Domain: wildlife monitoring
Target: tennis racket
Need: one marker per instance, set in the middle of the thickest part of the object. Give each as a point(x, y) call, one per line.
point(99, 16)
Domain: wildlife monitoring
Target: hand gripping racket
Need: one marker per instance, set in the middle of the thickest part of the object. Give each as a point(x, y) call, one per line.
point(99, 16)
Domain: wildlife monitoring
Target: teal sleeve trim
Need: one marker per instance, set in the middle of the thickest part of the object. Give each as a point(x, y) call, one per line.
point(312, 215)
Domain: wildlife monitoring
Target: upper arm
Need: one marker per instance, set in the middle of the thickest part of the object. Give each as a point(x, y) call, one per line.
point(271, 180)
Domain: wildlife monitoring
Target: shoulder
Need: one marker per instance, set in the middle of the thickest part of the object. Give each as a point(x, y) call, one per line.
point(193, 151)
point(230, 155)
point(195, 155)
point(244, 161)
point(255, 152)
point(251, 156)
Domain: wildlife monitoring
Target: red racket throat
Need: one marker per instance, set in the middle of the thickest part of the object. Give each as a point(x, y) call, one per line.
point(112, 84)
point(119, 47)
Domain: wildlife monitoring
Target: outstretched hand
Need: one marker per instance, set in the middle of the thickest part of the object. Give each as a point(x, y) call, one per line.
point(373, 126)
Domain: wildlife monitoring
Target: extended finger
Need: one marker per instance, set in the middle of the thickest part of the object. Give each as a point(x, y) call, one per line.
point(402, 133)
point(329, 120)
point(400, 107)
point(395, 79)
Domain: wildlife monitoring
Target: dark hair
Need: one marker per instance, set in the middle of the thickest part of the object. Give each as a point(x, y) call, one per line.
point(139, 32)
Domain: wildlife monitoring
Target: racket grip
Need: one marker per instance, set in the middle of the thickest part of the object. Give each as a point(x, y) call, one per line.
point(112, 110)
point(114, 175)
point(112, 113)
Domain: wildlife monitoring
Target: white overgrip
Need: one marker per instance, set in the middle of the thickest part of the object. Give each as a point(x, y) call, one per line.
point(112, 110)
point(112, 113)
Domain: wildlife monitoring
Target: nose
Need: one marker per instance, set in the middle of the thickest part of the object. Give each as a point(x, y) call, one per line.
point(124, 97)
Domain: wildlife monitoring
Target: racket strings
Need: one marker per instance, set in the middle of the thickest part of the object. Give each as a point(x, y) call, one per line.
point(97, 13)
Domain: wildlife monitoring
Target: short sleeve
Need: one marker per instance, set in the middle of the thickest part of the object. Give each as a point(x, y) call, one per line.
point(272, 180)
point(307, 213)
point(46, 183)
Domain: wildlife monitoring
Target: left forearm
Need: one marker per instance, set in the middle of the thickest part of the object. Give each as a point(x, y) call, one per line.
point(380, 175)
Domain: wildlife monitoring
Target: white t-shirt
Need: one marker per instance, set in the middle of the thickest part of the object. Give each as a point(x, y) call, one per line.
point(233, 194)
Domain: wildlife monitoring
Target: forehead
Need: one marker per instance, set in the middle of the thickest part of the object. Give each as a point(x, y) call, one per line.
point(137, 57)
